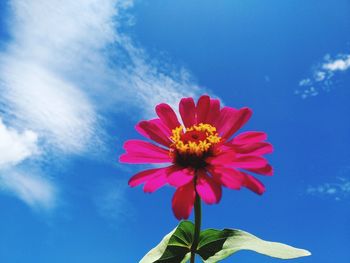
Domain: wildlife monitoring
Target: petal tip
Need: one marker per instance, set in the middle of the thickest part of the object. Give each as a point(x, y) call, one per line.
point(261, 190)
point(122, 158)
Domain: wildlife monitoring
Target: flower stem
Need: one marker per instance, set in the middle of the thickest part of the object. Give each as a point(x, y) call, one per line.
point(197, 226)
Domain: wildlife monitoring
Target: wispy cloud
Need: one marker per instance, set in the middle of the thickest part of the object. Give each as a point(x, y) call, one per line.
point(67, 65)
point(37, 98)
point(337, 190)
point(36, 191)
point(15, 148)
point(323, 76)
point(111, 203)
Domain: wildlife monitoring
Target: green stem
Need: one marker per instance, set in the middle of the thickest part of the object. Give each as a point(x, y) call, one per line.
point(197, 226)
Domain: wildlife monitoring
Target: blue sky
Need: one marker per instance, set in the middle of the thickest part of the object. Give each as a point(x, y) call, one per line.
point(76, 76)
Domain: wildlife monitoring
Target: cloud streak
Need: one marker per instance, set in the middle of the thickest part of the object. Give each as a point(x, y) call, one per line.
point(338, 190)
point(111, 202)
point(36, 191)
point(67, 65)
point(323, 76)
point(15, 148)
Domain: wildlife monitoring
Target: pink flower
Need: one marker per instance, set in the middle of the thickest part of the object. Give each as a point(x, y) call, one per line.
point(201, 151)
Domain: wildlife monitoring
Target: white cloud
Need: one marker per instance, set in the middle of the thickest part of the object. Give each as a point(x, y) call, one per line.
point(53, 107)
point(36, 191)
point(14, 146)
point(340, 64)
point(337, 190)
point(323, 76)
point(66, 66)
point(69, 63)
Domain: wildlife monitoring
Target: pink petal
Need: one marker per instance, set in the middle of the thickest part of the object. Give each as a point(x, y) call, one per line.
point(138, 151)
point(249, 162)
point(146, 175)
point(249, 137)
point(164, 129)
point(258, 148)
point(183, 201)
point(187, 110)
point(224, 157)
point(168, 116)
point(266, 170)
point(132, 158)
point(228, 157)
point(253, 184)
point(207, 188)
point(231, 120)
point(226, 118)
point(156, 182)
point(226, 176)
point(246, 180)
point(203, 106)
point(153, 131)
point(213, 112)
point(179, 176)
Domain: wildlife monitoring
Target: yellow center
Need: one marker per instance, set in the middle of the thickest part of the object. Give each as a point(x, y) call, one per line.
point(196, 139)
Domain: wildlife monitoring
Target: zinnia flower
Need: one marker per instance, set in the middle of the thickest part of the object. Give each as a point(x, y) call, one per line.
point(201, 151)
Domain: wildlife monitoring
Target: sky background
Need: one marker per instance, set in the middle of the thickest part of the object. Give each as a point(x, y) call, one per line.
point(76, 76)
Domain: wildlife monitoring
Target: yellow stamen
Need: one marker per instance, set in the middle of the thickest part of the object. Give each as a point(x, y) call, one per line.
point(193, 146)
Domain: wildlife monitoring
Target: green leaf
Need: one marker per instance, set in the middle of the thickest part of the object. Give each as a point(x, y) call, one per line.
point(215, 245)
point(175, 246)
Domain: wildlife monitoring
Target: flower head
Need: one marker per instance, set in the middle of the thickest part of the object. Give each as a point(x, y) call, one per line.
point(202, 152)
